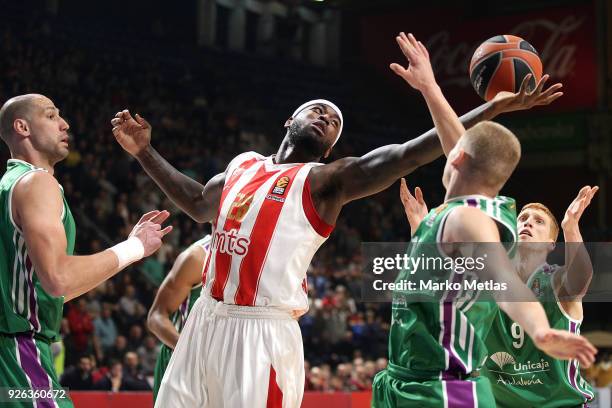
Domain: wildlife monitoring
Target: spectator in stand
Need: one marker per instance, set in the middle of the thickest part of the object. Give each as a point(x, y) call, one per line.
point(135, 338)
point(118, 350)
point(113, 379)
point(315, 380)
point(131, 309)
point(381, 364)
point(133, 373)
point(78, 377)
point(81, 326)
point(360, 380)
point(92, 300)
point(105, 328)
point(344, 349)
point(97, 373)
point(147, 353)
point(109, 294)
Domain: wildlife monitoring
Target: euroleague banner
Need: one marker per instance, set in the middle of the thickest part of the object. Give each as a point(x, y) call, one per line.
point(564, 37)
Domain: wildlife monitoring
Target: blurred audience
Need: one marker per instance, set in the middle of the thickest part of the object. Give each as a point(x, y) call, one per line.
point(202, 116)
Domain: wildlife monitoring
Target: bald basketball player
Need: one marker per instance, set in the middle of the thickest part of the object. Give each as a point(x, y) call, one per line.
point(38, 272)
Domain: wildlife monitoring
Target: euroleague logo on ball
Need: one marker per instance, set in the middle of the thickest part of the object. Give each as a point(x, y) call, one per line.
point(501, 64)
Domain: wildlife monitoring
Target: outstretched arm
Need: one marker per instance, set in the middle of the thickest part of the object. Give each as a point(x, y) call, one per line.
point(355, 177)
point(578, 270)
point(419, 75)
point(351, 178)
point(198, 201)
point(184, 275)
point(471, 225)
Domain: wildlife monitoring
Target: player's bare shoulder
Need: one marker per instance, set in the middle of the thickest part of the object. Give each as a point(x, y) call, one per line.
point(326, 180)
point(35, 187)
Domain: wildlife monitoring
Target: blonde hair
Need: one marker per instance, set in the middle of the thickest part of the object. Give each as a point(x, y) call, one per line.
point(554, 225)
point(494, 153)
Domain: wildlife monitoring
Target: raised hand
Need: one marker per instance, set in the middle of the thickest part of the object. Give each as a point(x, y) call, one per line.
point(418, 73)
point(133, 134)
point(577, 207)
point(415, 207)
point(564, 345)
point(523, 99)
point(149, 231)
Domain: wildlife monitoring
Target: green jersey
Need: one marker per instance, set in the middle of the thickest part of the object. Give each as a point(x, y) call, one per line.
point(443, 337)
point(179, 318)
point(26, 306)
point(520, 373)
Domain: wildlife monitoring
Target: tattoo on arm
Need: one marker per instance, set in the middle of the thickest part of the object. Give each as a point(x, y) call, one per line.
point(185, 192)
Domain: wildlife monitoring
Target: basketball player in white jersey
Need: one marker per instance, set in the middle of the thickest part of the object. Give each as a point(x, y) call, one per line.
point(240, 346)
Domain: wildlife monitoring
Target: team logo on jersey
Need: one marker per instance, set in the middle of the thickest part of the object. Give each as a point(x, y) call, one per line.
point(230, 243)
point(281, 185)
point(240, 207)
point(518, 373)
point(501, 358)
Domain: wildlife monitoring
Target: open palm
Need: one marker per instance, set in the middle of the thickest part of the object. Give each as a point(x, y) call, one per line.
point(577, 207)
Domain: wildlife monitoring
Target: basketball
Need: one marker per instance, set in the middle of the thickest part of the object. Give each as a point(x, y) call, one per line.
point(501, 63)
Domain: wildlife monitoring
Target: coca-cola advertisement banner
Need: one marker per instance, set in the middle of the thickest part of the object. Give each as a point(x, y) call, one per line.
point(564, 37)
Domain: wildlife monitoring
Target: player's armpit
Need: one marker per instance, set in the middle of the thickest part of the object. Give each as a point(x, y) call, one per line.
point(351, 178)
point(37, 206)
point(211, 196)
point(184, 275)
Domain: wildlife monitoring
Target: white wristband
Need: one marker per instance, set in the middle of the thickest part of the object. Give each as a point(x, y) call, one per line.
point(128, 251)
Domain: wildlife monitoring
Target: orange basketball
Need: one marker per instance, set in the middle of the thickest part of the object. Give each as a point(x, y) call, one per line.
point(501, 63)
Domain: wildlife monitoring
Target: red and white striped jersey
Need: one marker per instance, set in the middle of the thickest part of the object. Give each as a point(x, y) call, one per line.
point(265, 235)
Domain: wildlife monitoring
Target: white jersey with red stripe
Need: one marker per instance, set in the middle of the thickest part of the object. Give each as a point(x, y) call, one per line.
point(265, 234)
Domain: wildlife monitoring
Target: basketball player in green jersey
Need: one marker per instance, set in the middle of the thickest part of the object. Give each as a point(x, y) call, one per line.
point(38, 272)
point(436, 347)
point(175, 297)
point(521, 375)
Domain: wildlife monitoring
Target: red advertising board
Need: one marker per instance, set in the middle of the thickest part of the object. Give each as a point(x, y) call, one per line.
point(565, 38)
point(101, 399)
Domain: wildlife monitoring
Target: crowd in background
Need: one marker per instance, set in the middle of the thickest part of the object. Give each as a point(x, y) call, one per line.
point(201, 119)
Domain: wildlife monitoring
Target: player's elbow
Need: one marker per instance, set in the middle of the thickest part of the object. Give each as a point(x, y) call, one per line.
point(54, 284)
point(153, 320)
point(54, 276)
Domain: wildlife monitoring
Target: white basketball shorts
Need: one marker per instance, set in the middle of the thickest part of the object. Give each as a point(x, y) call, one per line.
point(232, 356)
